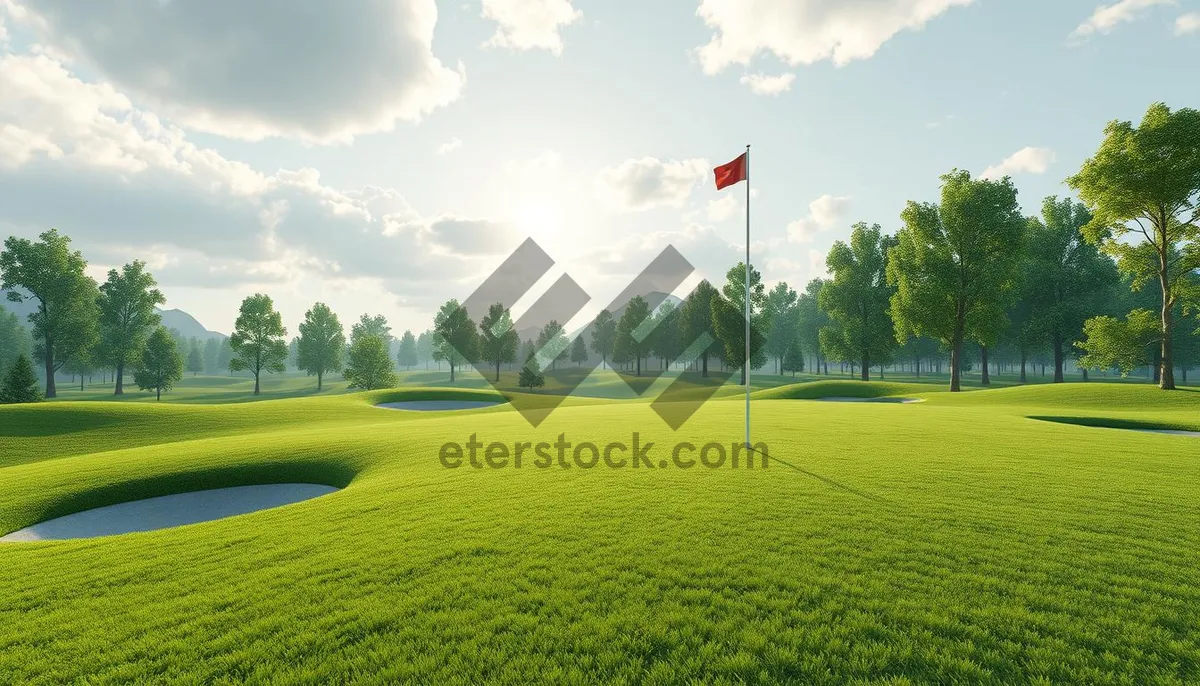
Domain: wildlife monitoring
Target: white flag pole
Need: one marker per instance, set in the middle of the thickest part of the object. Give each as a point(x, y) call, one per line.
point(747, 363)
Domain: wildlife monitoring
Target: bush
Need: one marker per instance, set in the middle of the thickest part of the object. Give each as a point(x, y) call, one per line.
point(20, 383)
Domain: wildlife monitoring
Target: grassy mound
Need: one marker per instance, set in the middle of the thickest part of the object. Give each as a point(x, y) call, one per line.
point(954, 542)
point(814, 390)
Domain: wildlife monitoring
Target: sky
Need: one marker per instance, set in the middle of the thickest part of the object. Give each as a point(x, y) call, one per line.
point(383, 156)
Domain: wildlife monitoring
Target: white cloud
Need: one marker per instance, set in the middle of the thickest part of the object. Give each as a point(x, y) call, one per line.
point(1187, 23)
point(1026, 160)
point(123, 183)
point(723, 207)
point(762, 84)
point(449, 146)
point(1106, 17)
point(641, 184)
point(529, 24)
point(824, 213)
point(318, 72)
point(808, 31)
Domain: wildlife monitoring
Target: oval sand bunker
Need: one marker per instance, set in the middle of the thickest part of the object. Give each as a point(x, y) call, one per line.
point(437, 405)
point(168, 511)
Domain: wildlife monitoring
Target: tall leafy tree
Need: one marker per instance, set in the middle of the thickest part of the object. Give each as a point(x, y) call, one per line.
point(64, 322)
point(781, 313)
point(212, 356)
point(604, 335)
point(195, 360)
point(793, 359)
point(498, 339)
point(370, 366)
point(810, 319)
point(666, 339)
point(372, 326)
point(258, 339)
point(1145, 181)
point(20, 383)
point(14, 339)
point(1066, 279)
point(552, 343)
point(322, 342)
point(629, 347)
point(955, 264)
point(225, 356)
point(454, 340)
point(857, 298)
point(726, 322)
point(1125, 344)
point(696, 322)
point(161, 366)
point(579, 353)
point(425, 348)
point(406, 356)
point(127, 316)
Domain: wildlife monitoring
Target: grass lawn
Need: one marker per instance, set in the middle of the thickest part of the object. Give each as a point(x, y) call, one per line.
point(957, 540)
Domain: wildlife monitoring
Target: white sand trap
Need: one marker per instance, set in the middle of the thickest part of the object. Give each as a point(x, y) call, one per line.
point(168, 511)
point(438, 405)
point(1172, 432)
point(846, 399)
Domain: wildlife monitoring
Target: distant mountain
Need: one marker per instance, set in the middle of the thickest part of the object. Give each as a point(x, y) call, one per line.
point(183, 322)
point(187, 325)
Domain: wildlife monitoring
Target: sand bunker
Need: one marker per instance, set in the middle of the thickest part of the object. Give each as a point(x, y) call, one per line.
point(841, 399)
point(168, 511)
point(438, 405)
point(1173, 432)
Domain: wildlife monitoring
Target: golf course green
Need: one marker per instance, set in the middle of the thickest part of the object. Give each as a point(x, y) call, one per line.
point(963, 539)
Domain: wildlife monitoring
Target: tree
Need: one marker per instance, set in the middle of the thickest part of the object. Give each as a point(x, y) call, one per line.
point(604, 335)
point(793, 359)
point(856, 299)
point(322, 343)
point(425, 348)
point(14, 339)
point(552, 342)
point(258, 339)
point(20, 383)
point(370, 364)
point(293, 356)
point(1146, 181)
point(372, 326)
point(127, 316)
point(579, 353)
point(1124, 344)
point(454, 338)
point(810, 319)
point(1066, 279)
point(724, 321)
point(212, 356)
point(161, 364)
point(225, 356)
point(498, 339)
point(955, 264)
point(53, 275)
point(406, 356)
point(696, 321)
point(531, 376)
point(628, 346)
point(781, 313)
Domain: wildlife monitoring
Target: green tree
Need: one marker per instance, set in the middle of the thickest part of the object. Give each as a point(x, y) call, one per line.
point(1066, 279)
point(406, 356)
point(454, 338)
point(1145, 181)
point(225, 356)
point(372, 326)
point(631, 344)
point(258, 341)
point(781, 313)
point(793, 358)
point(725, 323)
point(1124, 344)
point(322, 343)
point(212, 356)
point(127, 316)
point(14, 339)
point(498, 339)
point(696, 321)
point(370, 364)
point(810, 319)
point(20, 383)
point(161, 366)
point(64, 322)
point(666, 338)
point(604, 335)
point(195, 360)
point(425, 348)
point(956, 263)
point(579, 353)
point(857, 298)
point(531, 376)
point(552, 343)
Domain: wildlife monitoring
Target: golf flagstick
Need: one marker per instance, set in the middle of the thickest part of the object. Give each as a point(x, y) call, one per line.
point(727, 175)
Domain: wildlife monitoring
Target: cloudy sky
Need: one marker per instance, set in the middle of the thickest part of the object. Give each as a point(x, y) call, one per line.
point(384, 155)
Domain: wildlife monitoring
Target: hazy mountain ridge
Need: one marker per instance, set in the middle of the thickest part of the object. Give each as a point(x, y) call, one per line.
point(176, 319)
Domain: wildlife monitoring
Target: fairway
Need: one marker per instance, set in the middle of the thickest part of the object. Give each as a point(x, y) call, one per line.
point(955, 540)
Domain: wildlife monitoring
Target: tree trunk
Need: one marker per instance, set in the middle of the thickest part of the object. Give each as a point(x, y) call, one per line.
point(51, 391)
point(1058, 358)
point(866, 367)
point(639, 365)
point(956, 345)
point(120, 379)
point(1022, 366)
point(451, 371)
point(256, 383)
point(983, 375)
point(1166, 377)
point(917, 367)
point(158, 393)
point(1084, 372)
point(319, 380)
point(497, 371)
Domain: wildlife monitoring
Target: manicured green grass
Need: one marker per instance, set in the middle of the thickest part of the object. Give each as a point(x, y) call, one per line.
point(951, 541)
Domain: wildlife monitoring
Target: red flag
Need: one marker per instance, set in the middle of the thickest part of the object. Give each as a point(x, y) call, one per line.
point(731, 173)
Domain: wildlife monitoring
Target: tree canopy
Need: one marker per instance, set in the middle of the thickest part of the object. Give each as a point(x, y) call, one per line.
point(258, 339)
point(322, 342)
